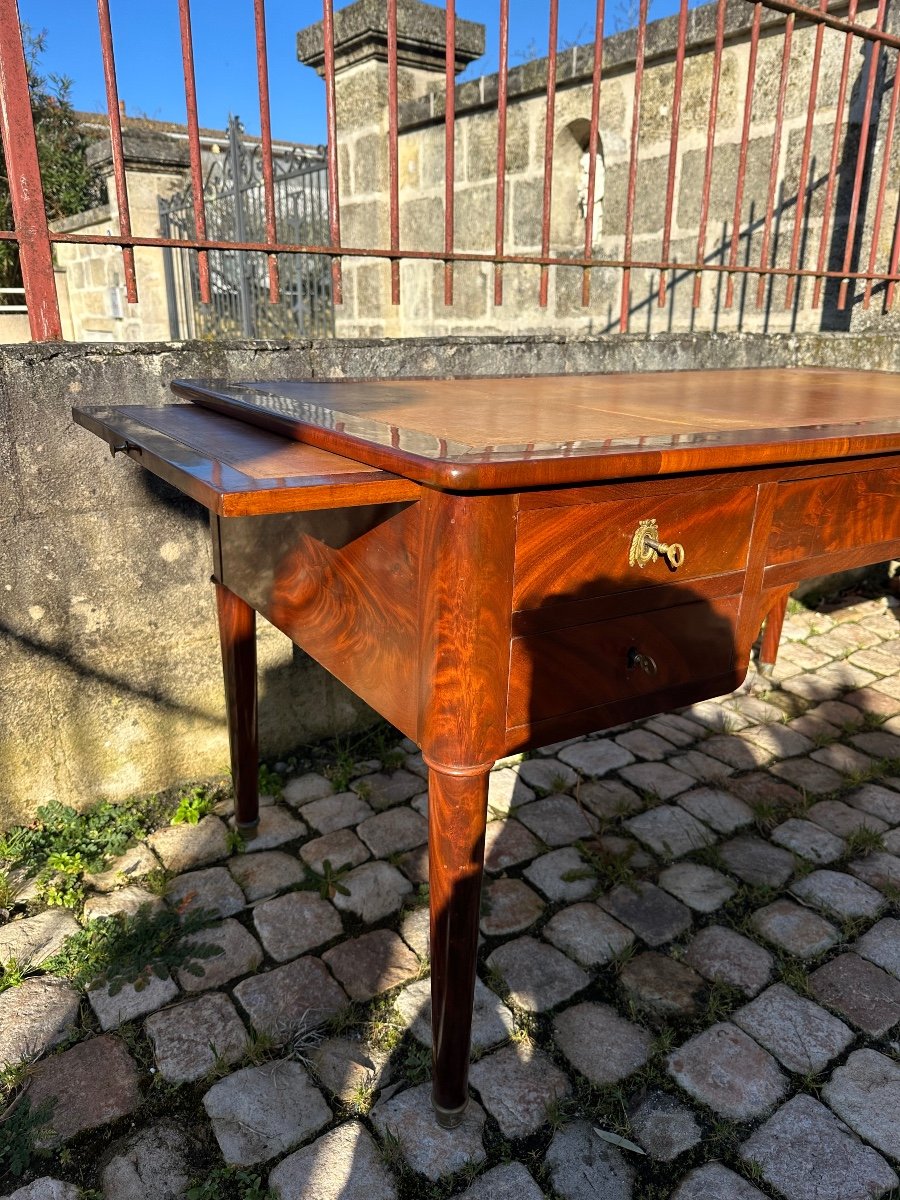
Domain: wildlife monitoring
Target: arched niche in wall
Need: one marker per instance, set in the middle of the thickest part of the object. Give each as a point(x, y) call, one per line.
point(571, 167)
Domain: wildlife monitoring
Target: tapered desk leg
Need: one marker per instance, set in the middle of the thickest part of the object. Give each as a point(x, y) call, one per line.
point(457, 808)
point(768, 651)
point(237, 634)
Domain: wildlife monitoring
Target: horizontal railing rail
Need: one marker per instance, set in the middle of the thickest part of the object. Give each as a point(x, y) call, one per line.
point(853, 245)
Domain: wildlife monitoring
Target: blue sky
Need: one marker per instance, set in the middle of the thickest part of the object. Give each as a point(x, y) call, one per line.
point(148, 56)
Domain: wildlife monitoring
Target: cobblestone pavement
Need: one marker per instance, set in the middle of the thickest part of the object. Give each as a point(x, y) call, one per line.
point(689, 977)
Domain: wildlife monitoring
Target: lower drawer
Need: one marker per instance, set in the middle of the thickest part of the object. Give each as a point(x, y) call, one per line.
point(566, 670)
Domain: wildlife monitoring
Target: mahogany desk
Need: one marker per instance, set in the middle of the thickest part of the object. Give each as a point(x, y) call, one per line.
point(496, 564)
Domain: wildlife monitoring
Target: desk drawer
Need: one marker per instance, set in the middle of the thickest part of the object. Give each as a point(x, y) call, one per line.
point(834, 513)
point(579, 550)
point(567, 670)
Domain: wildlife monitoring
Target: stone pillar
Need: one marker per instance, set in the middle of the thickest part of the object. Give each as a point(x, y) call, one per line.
point(361, 92)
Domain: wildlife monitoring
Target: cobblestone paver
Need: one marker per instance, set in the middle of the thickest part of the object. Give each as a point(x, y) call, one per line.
point(689, 971)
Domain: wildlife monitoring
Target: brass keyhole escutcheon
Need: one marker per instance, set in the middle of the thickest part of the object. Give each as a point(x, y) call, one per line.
point(644, 661)
point(646, 547)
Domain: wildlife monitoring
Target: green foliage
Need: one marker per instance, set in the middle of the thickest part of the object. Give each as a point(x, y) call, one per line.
point(193, 806)
point(230, 1183)
point(63, 845)
point(70, 184)
point(329, 882)
point(132, 948)
point(11, 974)
point(270, 782)
point(19, 1125)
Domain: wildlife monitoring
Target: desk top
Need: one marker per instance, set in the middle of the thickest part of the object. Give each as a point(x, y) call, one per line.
point(507, 432)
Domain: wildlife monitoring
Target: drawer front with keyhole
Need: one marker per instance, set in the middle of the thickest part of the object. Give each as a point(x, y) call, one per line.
point(577, 550)
point(567, 670)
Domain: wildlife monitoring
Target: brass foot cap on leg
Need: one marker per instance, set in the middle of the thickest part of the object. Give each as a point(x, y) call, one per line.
point(449, 1118)
point(765, 669)
point(247, 829)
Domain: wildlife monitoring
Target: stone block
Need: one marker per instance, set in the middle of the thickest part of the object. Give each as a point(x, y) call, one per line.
point(182, 847)
point(600, 1044)
point(865, 1093)
point(262, 875)
point(510, 1181)
point(130, 1002)
point(35, 1016)
point(30, 940)
point(260, 1112)
point(556, 820)
point(508, 906)
point(429, 1149)
point(547, 775)
point(154, 1164)
point(492, 1022)
point(596, 757)
point(561, 875)
point(756, 862)
point(301, 789)
point(238, 954)
point(294, 998)
point(538, 976)
point(724, 956)
point(190, 1039)
point(372, 964)
point(665, 1127)
point(652, 914)
point(587, 934)
point(393, 831)
point(658, 779)
point(295, 923)
point(802, 1036)
point(881, 945)
point(609, 799)
point(212, 890)
point(342, 848)
point(718, 809)
point(343, 1164)
point(276, 827)
point(93, 1084)
point(805, 1152)
point(715, 1182)
point(867, 996)
point(516, 1085)
point(794, 929)
point(669, 831)
point(700, 888)
point(374, 890)
point(662, 984)
point(727, 1071)
point(584, 1167)
point(839, 895)
point(336, 812)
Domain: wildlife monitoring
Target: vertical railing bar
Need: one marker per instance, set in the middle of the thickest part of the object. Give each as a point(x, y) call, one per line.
point(393, 184)
point(710, 149)
point(593, 147)
point(800, 204)
point(673, 145)
point(265, 128)
point(882, 185)
point(27, 200)
point(833, 161)
point(775, 160)
point(502, 100)
point(632, 166)
point(190, 99)
point(742, 157)
point(449, 149)
point(118, 154)
point(334, 202)
point(549, 124)
point(850, 242)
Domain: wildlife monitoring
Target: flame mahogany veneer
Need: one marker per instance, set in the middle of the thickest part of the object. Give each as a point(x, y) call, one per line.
point(457, 553)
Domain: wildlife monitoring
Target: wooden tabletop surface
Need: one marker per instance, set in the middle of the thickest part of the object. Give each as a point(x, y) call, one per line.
point(510, 432)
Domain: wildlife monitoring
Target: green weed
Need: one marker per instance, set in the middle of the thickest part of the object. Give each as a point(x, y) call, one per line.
point(193, 806)
point(230, 1183)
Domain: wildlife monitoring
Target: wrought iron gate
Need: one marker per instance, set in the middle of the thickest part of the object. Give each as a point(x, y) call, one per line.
point(233, 194)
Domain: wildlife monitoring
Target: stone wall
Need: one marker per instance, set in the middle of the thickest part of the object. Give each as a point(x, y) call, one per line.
point(361, 87)
point(110, 681)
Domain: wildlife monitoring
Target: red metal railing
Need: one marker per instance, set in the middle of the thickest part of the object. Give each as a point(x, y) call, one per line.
point(840, 241)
